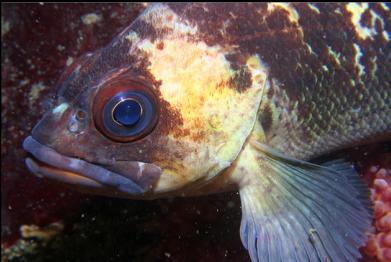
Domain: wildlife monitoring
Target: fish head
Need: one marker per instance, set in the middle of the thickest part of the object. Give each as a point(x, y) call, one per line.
point(153, 113)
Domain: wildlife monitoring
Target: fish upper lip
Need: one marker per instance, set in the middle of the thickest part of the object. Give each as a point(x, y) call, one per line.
point(81, 167)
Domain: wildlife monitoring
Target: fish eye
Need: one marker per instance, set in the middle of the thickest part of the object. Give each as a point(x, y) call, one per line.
point(125, 113)
point(128, 114)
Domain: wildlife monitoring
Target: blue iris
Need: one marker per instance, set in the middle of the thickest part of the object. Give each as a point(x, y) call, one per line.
point(129, 115)
point(127, 112)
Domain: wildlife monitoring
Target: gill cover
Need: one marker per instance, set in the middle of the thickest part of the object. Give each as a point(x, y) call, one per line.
point(213, 99)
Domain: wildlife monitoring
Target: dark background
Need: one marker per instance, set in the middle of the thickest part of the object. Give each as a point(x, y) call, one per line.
point(37, 42)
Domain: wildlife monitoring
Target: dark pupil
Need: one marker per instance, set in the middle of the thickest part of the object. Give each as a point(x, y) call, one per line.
point(127, 112)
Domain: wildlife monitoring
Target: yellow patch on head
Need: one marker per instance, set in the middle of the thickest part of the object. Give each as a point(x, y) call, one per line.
point(195, 81)
point(217, 107)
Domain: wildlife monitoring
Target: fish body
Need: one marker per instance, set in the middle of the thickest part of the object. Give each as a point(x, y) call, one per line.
point(200, 98)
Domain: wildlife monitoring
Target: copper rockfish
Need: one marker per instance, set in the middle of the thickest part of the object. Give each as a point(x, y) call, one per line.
point(199, 98)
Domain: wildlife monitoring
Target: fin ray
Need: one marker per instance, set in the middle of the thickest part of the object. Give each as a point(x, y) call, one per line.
point(313, 197)
point(299, 211)
point(345, 196)
point(317, 220)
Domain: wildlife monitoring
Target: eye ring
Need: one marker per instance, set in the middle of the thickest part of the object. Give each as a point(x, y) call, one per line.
point(125, 111)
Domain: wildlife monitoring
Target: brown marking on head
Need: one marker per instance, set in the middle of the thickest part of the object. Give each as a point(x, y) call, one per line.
point(160, 45)
point(237, 59)
point(241, 80)
point(173, 121)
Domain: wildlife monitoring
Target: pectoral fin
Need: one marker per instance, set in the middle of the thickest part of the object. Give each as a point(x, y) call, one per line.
point(298, 211)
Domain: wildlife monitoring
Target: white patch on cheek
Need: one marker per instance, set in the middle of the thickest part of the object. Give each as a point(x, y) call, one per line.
point(59, 110)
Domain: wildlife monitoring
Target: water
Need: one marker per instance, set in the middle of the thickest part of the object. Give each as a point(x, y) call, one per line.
point(38, 41)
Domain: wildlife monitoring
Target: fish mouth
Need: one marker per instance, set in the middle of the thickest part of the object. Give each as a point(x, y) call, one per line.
point(46, 162)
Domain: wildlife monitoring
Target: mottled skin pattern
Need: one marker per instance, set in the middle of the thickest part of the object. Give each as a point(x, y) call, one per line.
point(331, 101)
point(322, 93)
point(237, 84)
point(321, 81)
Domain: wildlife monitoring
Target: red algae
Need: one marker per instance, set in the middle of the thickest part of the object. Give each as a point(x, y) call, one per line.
point(378, 246)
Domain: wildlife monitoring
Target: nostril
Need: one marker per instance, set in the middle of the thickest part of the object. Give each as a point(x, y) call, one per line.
point(76, 122)
point(81, 115)
point(73, 125)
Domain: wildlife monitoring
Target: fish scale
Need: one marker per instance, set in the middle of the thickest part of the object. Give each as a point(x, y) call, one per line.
point(236, 96)
point(316, 76)
point(329, 102)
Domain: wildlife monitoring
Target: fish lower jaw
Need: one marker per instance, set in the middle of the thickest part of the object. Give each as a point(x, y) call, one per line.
point(46, 162)
point(43, 170)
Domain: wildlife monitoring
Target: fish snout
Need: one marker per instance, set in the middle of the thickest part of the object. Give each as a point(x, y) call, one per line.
point(53, 123)
point(134, 179)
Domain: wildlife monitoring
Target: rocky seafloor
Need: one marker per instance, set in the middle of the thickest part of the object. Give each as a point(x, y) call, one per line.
point(44, 221)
